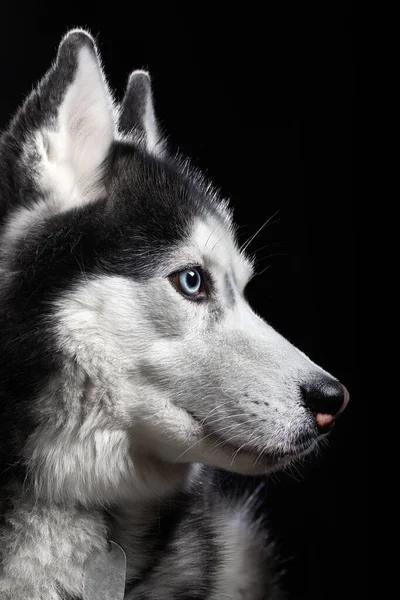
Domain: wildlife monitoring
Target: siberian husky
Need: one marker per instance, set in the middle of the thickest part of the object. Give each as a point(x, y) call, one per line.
point(131, 364)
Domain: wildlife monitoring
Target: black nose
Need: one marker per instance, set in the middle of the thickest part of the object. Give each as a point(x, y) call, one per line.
point(324, 396)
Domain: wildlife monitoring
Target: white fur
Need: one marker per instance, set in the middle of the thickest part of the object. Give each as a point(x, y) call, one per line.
point(154, 358)
point(150, 124)
point(47, 547)
point(241, 549)
point(71, 152)
point(75, 149)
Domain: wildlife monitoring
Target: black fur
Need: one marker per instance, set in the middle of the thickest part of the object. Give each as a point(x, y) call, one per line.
point(149, 206)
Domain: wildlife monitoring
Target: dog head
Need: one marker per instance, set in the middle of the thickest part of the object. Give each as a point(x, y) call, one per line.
point(125, 330)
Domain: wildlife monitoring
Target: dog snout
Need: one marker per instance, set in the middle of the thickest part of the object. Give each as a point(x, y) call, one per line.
point(327, 399)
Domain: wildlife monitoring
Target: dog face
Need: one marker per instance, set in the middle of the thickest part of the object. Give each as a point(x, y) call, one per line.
point(123, 276)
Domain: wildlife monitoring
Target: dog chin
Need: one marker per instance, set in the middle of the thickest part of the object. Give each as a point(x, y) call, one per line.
point(220, 455)
point(254, 464)
point(213, 450)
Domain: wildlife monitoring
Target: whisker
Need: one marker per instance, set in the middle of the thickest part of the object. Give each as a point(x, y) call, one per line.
point(243, 445)
point(262, 258)
point(248, 242)
point(193, 445)
point(220, 239)
point(254, 254)
point(228, 417)
point(258, 457)
point(230, 427)
point(213, 231)
point(212, 410)
point(204, 438)
point(262, 271)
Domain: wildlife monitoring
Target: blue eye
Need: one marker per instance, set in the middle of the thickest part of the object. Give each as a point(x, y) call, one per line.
point(189, 281)
point(192, 283)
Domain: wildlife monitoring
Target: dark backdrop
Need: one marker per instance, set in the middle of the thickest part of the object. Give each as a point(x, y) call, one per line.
point(260, 100)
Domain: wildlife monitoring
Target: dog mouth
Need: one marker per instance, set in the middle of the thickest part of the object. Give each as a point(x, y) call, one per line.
point(259, 459)
point(264, 459)
point(298, 451)
point(270, 455)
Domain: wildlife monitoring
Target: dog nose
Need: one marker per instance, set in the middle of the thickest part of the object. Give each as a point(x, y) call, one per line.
point(327, 398)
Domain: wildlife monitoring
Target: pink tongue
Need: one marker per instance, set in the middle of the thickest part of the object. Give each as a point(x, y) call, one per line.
point(324, 420)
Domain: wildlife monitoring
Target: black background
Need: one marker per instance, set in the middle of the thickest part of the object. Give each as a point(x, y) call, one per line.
point(261, 100)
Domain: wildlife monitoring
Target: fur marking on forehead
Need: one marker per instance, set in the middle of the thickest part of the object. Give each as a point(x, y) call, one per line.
point(214, 241)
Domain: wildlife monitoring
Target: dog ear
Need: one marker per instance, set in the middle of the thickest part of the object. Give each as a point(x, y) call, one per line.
point(66, 126)
point(137, 117)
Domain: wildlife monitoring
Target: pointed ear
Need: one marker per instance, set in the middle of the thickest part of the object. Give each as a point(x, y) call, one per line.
point(68, 124)
point(137, 115)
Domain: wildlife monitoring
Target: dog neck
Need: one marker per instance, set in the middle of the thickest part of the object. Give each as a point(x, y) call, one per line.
point(86, 484)
point(46, 544)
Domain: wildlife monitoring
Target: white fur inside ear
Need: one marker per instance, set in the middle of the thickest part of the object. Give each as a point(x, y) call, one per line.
point(150, 126)
point(75, 149)
point(139, 120)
